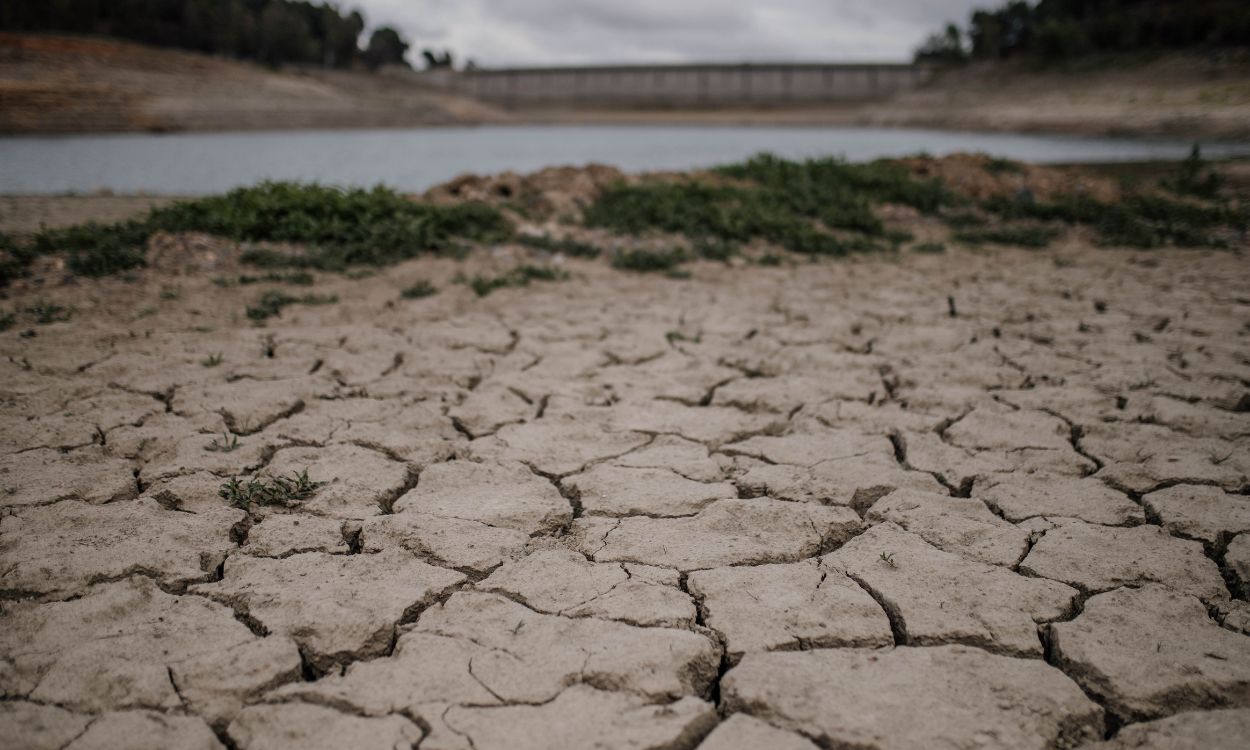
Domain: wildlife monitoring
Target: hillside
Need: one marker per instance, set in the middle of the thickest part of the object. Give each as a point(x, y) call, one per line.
point(56, 84)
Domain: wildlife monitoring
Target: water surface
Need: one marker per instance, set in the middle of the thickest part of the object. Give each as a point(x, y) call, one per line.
point(415, 159)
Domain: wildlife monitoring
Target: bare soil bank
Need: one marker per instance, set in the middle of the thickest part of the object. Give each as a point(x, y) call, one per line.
point(51, 84)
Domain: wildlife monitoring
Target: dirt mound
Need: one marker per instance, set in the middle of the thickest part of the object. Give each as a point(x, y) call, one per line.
point(978, 176)
point(72, 84)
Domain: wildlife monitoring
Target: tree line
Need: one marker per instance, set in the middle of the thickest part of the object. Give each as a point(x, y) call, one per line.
point(274, 32)
point(1064, 29)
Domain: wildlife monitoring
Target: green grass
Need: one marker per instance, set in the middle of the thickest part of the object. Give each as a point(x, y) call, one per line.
point(45, 312)
point(1003, 166)
point(269, 490)
point(272, 303)
point(711, 248)
point(226, 444)
point(642, 260)
point(517, 277)
point(1024, 236)
point(818, 207)
point(212, 360)
point(419, 290)
point(930, 248)
point(7, 320)
point(295, 278)
point(1137, 220)
point(339, 228)
point(566, 246)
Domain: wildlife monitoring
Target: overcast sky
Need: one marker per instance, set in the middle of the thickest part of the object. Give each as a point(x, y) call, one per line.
point(538, 32)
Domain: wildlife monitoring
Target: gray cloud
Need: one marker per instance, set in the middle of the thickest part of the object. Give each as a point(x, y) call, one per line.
point(536, 32)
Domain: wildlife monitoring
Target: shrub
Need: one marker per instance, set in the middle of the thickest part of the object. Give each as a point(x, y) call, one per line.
point(419, 290)
point(644, 260)
point(567, 246)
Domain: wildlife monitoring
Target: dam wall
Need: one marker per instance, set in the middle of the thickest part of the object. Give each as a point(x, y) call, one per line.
point(681, 85)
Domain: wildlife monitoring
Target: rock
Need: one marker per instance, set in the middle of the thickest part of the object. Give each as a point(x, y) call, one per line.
point(1237, 558)
point(524, 656)
point(585, 717)
point(1019, 497)
point(283, 535)
point(288, 725)
point(1100, 558)
point(1208, 514)
point(788, 607)
point(59, 550)
point(33, 726)
point(813, 449)
point(556, 444)
point(509, 496)
point(468, 546)
point(336, 607)
point(743, 732)
point(1149, 652)
point(617, 491)
point(934, 597)
point(563, 582)
point(956, 524)
point(686, 457)
point(43, 476)
point(489, 408)
point(146, 730)
point(425, 674)
point(856, 483)
point(727, 532)
point(945, 696)
point(115, 647)
point(358, 483)
point(217, 685)
point(711, 425)
point(1226, 729)
point(1004, 429)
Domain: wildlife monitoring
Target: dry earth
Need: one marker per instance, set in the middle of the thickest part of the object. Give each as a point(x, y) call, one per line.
point(952, 501)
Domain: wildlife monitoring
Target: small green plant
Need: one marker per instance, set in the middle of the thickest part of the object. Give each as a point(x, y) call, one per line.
point(888, 559)
point(227, 444)
point(930, 248)
point(170, 293)
point(996, 165)
point(269, 490)
point(297, 278)
point(770, 259)
point(567, 246)
point(271, 304)
point(419, 290)
point(644, 260)
point(45, 312)
point(516, 277)
point(7, 320)
point(712, 248)
point(1024, 236)
point(1191, 180)
point(212, 360)
point(674, 336)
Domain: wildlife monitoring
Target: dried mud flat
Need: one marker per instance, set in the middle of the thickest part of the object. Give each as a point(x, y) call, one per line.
point(969, 500)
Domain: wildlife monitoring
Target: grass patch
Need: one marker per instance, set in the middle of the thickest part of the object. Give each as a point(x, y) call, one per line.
point(644, 261)
point(212, 360)
point(295, 278)
point(517, 277)
point(1024, 236)
point(419, 290)
point(46, 313)
point(226, 444)
point(566, 246)
point(997, 165)
point(930, 248)
point(340, 228)
point(271, 304)
point(714, 248)
point(269, 490)
point(7, 320)
point(796, 205)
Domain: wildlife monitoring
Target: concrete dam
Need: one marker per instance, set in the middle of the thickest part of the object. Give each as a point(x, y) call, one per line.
point(682, 85)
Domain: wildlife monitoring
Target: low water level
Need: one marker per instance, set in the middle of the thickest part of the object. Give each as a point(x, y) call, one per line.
point(415, 159)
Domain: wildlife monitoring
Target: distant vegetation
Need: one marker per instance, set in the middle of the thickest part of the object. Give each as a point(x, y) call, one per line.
point(1063, 29)
point(273, 32)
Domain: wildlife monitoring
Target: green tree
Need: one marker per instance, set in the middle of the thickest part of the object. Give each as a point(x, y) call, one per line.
point(386, 47)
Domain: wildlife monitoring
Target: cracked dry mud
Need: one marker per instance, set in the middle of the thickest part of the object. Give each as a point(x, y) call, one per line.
point(829, 514)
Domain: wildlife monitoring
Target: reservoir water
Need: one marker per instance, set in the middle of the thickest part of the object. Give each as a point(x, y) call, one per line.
point(415, 159)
